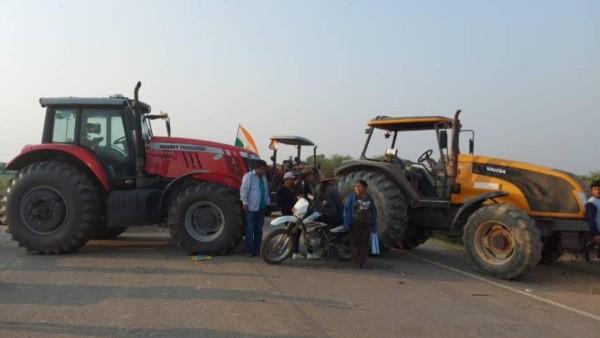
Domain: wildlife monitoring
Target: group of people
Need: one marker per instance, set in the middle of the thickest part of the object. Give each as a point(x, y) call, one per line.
point(357, 213)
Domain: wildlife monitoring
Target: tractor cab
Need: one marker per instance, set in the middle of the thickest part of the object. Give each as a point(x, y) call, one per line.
point(428, 175)
point(104, 127)
point(293, 164)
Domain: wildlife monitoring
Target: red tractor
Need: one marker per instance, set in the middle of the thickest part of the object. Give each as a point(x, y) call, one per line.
point(99, 169)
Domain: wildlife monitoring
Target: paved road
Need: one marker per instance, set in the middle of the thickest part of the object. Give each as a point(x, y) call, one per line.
point(141, 285)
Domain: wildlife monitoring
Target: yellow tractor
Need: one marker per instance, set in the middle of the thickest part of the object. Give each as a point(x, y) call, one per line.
point(512, 215)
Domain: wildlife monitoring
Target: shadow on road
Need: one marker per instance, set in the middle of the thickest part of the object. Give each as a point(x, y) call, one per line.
point(74, 294)
point(102, 331)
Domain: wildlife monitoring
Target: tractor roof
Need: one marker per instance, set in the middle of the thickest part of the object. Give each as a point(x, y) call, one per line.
point(293, 140)
point(410, 123)
point(87, 101)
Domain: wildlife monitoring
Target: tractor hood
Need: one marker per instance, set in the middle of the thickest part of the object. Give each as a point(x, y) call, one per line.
point(187, 144)
point(546, 189)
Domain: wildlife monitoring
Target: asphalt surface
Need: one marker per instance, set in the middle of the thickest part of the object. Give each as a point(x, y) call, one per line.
point(141, 285)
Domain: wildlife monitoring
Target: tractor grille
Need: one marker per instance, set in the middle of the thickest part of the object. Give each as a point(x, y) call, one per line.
point(192, 160)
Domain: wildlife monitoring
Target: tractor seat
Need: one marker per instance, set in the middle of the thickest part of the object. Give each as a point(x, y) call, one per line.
point(426, 182)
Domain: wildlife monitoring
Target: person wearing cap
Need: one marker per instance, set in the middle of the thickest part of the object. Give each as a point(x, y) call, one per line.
point(328, 200)
point(592, 211)
point(286, 194)
point(286, 199)
point(254, 194)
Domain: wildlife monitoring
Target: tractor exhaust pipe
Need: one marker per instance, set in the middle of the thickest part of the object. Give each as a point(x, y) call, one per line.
point(453, 167)
point(140, 163)
point(136, 91)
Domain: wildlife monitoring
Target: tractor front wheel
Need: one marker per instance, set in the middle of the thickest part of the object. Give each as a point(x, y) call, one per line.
point(52, 208)
point(503, 241)
point(206, 217)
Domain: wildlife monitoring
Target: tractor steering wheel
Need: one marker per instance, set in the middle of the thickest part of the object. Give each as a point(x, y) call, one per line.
point(425, 156)
point(120, 140)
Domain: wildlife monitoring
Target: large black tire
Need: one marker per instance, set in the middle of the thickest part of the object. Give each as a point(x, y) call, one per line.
point(503, 241)
point(52, 208)
point(283, 248)
point(207, 218)
point(413, 237)
point(104, 232)
point(389, 200)
point(551, 250)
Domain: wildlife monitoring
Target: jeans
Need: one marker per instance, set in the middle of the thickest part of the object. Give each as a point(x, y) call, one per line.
point(254, 230)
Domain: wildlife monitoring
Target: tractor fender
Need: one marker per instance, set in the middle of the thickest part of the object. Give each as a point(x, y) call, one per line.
point(393, 171)
point(199, 175)
point(54, 151)
point(473, 204)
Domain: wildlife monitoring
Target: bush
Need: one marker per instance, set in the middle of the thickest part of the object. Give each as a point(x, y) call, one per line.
point(329, 164)
point(593, 176)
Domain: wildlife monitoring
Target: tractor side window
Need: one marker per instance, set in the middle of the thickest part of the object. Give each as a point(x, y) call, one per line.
point(64, 126)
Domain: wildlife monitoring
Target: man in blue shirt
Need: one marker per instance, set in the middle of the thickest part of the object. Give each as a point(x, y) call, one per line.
point(254, 194)
point(592, 211)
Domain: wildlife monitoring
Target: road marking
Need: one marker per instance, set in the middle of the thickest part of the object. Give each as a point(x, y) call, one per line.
point(506, 287)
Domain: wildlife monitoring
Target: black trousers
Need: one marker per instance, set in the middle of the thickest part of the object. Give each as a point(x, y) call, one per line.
point(360, 235)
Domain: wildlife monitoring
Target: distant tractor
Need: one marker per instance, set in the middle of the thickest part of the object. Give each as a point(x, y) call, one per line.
point(295, 165)
point(512, 215)
point(100, 169)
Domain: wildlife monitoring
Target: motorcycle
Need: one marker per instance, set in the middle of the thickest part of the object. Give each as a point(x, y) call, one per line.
point(317, 237)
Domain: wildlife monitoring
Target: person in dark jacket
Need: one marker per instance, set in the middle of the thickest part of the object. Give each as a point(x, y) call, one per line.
point(308, 183)
point(592, 211)
point(286, 194)
point(328, 201)
point(360, 215)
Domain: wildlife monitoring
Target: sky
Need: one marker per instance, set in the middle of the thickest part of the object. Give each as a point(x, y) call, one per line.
point(526, 74)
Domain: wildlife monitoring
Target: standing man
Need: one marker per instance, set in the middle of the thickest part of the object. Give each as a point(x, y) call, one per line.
point(592, 211)
point(360, 215)
point(254, 194)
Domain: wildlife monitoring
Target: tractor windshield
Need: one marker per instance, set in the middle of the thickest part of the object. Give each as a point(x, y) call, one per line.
point(406, 147)
point(146, 130)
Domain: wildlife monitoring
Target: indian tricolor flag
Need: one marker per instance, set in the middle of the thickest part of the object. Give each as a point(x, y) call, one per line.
point(245, 140)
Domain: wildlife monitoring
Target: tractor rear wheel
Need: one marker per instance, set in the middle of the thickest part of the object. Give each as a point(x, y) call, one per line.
point(206, 217)
point(503, 241)
point(389, 200)
point(52, 208)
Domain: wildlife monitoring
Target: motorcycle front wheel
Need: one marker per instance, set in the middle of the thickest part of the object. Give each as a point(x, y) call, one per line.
point(276, 247)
